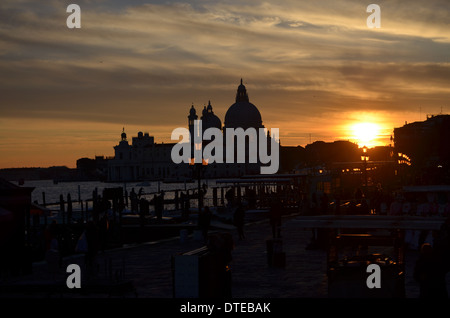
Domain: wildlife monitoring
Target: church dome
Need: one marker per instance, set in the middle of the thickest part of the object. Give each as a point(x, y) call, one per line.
point(243, 113)
point(209, 119)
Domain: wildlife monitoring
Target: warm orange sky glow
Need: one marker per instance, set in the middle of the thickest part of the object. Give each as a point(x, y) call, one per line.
point(313, 68)
point(365, 134)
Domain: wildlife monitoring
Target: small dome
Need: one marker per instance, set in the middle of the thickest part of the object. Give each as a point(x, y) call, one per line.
point(192, 111)
point(209, 120)
point(209, 108)
point(241, 95)
point(192, 115)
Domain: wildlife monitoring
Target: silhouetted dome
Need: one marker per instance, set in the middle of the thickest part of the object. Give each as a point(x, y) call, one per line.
point(243, 113)
point(209, 120)
point(123, 135)
point(192, 111)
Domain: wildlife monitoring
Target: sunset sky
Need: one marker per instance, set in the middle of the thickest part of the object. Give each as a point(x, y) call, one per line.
point(313, 68)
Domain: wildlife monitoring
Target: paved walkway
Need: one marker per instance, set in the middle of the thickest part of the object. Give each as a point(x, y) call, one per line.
point(149, 268)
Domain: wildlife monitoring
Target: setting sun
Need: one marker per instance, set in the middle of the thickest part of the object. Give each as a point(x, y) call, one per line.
point(365, 134)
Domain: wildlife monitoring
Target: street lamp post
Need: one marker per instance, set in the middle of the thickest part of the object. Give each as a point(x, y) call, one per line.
point(198, 167)
point(364, 159)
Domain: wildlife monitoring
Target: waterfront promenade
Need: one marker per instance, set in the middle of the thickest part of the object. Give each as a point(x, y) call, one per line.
point(148, 267)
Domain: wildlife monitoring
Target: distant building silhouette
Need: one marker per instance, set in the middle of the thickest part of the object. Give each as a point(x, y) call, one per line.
point(427, 144)
point(145, 159)
point(92, 169)
point(142, 160)
point(50, 173)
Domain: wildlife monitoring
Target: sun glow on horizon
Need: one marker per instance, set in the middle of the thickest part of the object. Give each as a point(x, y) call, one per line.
point(366, 134)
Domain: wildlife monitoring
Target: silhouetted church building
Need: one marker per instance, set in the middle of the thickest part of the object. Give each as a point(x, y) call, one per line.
point(145, 159)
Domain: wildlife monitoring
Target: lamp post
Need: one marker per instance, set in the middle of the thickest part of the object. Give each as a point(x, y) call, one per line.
point(364, 159)
point(198, 167)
